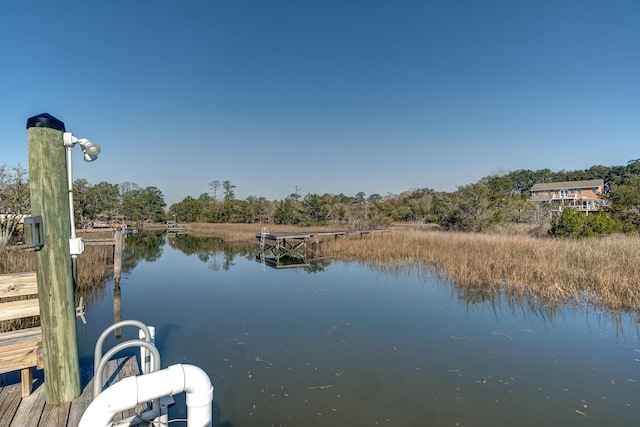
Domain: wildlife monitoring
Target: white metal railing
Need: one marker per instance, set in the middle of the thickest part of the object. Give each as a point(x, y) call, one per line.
point(263, 237)
point(155, 385)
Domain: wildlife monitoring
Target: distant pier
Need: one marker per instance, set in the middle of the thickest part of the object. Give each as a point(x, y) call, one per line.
point(290, 244)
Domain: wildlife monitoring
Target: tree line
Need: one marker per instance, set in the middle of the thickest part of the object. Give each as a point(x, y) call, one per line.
point(496, 199)
point(127, 201)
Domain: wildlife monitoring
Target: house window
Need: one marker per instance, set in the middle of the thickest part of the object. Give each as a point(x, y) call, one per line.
point(594, 190)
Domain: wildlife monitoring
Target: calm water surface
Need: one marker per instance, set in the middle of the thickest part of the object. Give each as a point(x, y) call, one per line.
point(345, 345)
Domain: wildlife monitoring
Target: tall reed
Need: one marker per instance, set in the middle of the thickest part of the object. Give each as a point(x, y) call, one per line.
point(16, 260)
point(602, 271)
point(94, 268)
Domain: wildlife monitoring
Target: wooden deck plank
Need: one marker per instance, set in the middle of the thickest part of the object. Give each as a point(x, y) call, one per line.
point(55, 415)
point(9, 402)
point(19, 309)
point(18, 284)
point(109, 374)
point(33, 411)
point(128, 368)
point(30, 409)
point(80, 404)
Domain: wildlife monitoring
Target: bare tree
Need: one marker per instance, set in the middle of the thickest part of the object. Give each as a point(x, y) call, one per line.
point(215, 186)
point(295, 196)
point(14, 200)
point(127, 186)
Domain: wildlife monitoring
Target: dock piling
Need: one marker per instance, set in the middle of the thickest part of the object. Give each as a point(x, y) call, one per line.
point(49, 199)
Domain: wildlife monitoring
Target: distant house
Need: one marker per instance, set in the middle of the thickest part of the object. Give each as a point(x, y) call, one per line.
point(584, 196)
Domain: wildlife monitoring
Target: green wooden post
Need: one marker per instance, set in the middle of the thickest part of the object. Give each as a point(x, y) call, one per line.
point(49, 198)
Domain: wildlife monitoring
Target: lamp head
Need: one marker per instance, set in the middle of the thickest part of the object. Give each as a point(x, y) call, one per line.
point(89, 149)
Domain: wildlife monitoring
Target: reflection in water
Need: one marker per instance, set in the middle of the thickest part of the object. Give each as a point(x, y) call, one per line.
point(219, 255)
point(499, 298)
point(117, 307)
point(141, 246)
point(209, 249)
point(362, 345)
point(283, 262)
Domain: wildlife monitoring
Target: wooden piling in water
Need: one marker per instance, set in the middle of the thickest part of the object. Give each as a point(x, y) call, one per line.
point(117, 253)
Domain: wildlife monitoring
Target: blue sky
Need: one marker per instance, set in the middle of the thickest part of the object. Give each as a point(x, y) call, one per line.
point(326, 96)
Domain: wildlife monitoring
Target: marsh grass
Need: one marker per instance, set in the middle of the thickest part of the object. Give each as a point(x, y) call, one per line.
point(16, 260)
point(551, 272)
point(603, 272)
point(95, 266)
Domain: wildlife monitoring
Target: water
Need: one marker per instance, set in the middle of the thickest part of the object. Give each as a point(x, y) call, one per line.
point(343, 344)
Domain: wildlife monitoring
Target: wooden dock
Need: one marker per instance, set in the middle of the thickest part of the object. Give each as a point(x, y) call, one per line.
point(289, 244)
point(32, 411)
point(117, 241)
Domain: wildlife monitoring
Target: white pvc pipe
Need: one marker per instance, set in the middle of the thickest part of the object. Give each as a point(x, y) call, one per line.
point(130, 391)
point(72, 221)
point(70, 191)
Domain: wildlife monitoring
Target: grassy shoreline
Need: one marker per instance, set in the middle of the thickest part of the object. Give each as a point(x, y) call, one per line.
point(601, 271)
point(95, 265)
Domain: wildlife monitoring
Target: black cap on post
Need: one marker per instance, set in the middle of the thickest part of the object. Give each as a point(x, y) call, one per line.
point(45, 120)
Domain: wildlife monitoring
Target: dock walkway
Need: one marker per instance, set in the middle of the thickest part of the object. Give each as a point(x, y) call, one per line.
point(313, 234)
point(32, 411)
point(283, 244)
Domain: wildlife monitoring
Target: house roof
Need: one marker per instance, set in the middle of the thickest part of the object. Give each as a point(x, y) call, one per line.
point(568, 184)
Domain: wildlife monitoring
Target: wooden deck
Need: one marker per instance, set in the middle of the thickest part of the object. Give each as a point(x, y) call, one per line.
point(289, 243)
point(33, 411)
point(314, 234)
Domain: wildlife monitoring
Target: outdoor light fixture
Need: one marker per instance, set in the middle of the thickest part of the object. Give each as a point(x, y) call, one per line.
point(89, 149)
